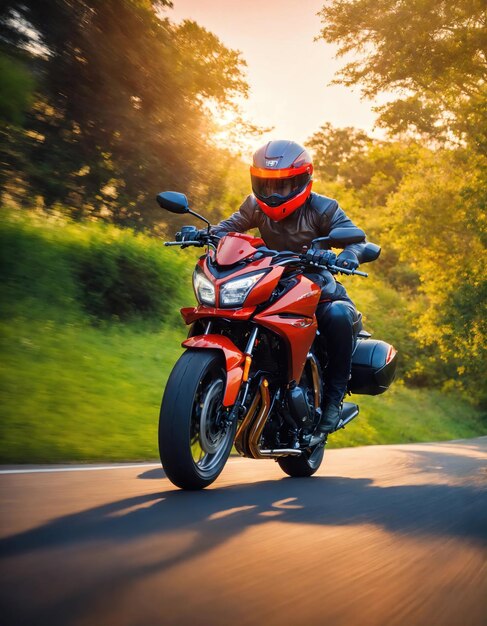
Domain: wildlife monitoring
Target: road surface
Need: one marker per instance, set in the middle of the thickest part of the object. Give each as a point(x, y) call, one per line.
point(392, 535)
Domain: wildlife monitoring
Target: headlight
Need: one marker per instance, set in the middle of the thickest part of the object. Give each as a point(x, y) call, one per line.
point(204, 288)
point(234, 292)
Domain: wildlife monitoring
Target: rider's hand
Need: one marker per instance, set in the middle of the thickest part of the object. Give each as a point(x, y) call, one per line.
point(190, 233)
point(348, 260)
point(202, 235)
point(321, 257)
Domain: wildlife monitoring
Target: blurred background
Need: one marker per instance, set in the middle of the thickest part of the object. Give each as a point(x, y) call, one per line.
point(103, 104)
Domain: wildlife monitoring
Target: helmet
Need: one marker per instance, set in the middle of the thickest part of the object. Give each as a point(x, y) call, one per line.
point(281, 178)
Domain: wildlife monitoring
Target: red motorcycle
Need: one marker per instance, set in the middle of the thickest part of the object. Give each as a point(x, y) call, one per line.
point(251, 374)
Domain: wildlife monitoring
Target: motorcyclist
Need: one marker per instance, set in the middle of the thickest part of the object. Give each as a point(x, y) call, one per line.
point(288, 216)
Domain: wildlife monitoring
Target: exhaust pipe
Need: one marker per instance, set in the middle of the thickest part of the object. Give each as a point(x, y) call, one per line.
point(280, 452)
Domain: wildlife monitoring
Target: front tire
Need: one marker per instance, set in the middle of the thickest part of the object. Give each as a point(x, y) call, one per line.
point(306, 464)
point(194, 443)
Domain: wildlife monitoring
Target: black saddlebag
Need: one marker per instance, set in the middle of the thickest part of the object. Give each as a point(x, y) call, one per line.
point(374, 365)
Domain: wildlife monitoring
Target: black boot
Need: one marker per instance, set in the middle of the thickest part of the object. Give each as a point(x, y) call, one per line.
point(330, 417)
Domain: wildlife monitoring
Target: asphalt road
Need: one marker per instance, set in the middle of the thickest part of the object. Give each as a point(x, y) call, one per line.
point(392, 535)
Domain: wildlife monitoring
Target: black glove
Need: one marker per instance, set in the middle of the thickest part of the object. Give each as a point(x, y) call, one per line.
point(348, 260)
point(321, 257)
point(190, 233)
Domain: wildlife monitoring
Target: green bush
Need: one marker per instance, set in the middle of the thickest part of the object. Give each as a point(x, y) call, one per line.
point(35, 275)
point(125, 275)
point(102, 270)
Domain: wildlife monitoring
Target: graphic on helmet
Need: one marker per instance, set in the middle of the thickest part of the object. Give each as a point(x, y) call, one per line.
point(281, 176)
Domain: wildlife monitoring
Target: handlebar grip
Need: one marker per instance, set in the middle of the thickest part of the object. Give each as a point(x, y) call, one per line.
point(343, 270)
point(184, 243)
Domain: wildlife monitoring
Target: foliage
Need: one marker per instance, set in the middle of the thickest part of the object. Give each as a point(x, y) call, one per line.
point(423, 190)
point(431, 52)
point(102, 270)
point(372, 168)
point(426, 208)
point(120, 110)
point(16, 91)
point(431, 215)
point(334, 147)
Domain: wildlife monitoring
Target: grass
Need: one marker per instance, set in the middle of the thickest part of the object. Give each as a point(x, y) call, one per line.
point(80, 387)
point(405, 415)
point(72, 392)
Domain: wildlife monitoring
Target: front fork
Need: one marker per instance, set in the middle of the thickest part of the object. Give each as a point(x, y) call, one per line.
point(239, 407)
point(237, 364)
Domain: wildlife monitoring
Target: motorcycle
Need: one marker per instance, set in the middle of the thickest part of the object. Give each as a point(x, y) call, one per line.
point(251, 375)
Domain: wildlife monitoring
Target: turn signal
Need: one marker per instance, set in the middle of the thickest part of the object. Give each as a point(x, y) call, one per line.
point(248, 362)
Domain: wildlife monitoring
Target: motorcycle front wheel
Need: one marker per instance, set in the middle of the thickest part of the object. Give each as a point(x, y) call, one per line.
point(195, 439)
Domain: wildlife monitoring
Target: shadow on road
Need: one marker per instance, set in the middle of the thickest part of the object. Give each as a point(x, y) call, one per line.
point(215, 516)
point(158, 473)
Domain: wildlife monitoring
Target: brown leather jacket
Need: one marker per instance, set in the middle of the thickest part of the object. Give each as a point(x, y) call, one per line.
point(316, 218)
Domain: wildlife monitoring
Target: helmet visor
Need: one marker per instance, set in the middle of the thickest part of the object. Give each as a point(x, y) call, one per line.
point(282, 188)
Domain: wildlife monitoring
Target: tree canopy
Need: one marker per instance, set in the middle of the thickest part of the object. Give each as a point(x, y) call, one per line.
point(433, 53)
point(423, 191)
point(120, 105)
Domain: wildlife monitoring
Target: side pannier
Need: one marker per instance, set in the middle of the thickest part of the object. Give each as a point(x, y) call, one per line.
point(374, 364)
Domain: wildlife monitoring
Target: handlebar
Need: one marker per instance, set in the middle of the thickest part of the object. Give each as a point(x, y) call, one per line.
point(343, 270)
point(301, 259)
point(298, 258)
point(184, 243)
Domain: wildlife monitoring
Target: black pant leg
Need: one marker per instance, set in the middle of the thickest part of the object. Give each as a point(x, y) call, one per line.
point(336, 324)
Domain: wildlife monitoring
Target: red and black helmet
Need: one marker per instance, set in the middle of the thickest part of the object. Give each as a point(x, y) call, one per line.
point(281, 178)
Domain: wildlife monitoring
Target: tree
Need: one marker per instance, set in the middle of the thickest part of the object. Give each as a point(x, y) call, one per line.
point(120, 108)
point(332, 147)
point(441, 234)
point(433, 53)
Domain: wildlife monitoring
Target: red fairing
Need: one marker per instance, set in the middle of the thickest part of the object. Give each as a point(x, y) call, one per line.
point(302, 299)
point(237, 247)
point(192, 314)
point(233, 360)
point(292, 316)
point(298, 332)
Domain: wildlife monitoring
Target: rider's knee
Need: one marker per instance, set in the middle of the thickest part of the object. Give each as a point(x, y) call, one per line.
point(340, 315)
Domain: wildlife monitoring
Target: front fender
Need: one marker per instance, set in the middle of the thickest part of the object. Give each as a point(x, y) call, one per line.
point(234, 359)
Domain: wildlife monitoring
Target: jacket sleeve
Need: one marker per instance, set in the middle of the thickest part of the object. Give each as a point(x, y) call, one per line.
point(242, 220)
point(340, 220)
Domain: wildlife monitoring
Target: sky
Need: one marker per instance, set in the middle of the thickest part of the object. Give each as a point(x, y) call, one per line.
point(288, 71)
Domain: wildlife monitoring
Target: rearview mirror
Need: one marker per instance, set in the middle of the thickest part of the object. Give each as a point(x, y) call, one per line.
point(371, 252)
point(346, 236)
point(341, 237)
point(173, 201)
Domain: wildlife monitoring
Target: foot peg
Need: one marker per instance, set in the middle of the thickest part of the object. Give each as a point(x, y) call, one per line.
point(349, 412)
point(316, 439)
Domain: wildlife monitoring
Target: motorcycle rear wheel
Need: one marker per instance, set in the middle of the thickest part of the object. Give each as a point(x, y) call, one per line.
point(194, 443)
point(306, 464)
